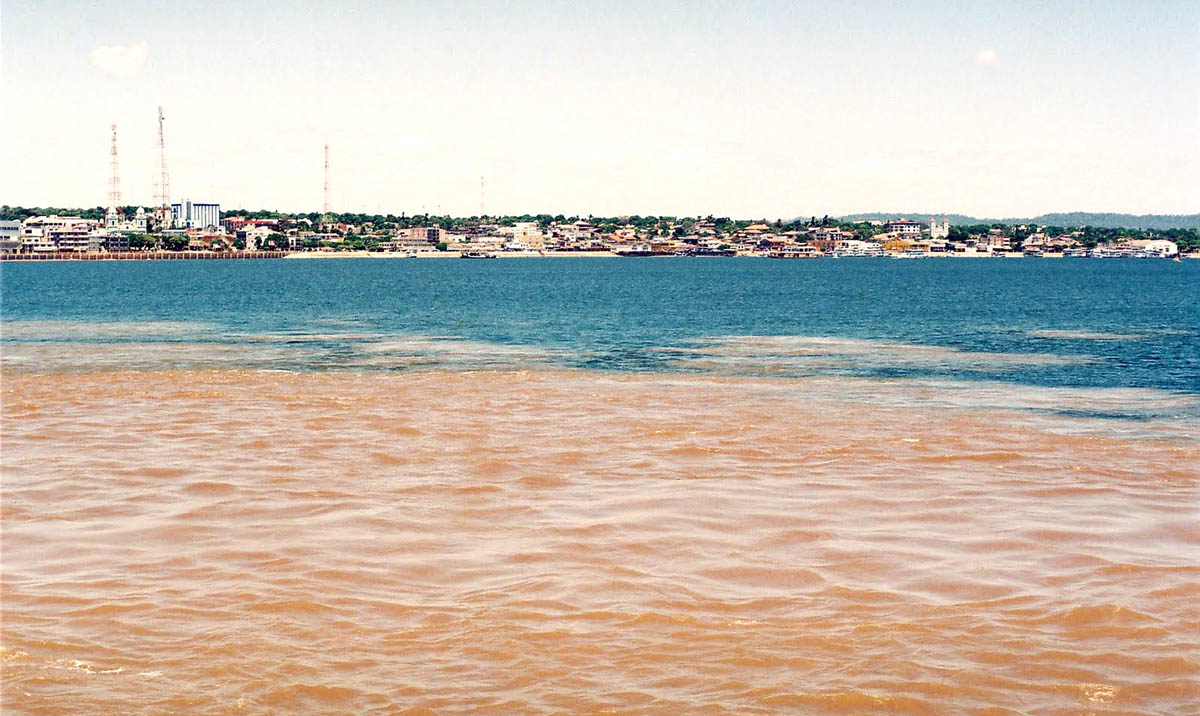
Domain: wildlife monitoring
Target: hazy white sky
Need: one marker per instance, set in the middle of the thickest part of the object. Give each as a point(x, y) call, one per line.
point(748, 109)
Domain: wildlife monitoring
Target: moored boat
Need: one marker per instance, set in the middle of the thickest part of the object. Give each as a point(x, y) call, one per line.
point(802, 251)
point(639, 250)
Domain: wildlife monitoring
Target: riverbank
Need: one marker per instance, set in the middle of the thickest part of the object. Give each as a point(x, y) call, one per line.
point(439, 254)
point(144, 256)
point(228, 255)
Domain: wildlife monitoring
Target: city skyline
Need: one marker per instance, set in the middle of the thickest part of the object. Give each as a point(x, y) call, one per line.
point(764, 109)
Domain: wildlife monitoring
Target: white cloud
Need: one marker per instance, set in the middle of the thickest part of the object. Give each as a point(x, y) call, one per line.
point(986, 57)
point(120, 59)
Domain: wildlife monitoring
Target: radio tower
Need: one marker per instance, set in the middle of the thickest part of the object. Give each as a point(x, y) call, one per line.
point(114, 182)
point(325, 211)
point(162, 181)
point(480, 198)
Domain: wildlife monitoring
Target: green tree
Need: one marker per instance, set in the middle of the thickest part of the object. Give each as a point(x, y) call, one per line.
point(140, 242)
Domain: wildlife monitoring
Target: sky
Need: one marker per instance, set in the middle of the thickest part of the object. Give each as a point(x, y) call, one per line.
point(744, 109)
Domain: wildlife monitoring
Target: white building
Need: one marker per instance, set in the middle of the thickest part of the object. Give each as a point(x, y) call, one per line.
point(831, 235)
point(74, 238)
point(577, 230)
point(528, 235)
point(938, 231)
point(857, 247)
point(45, 225)
point(905, 228)
point(1157, 247)
point(525, 229)
point(186, 215)
point(254, 237)
point(114, 221)
point(59, 233)
point(10, 236)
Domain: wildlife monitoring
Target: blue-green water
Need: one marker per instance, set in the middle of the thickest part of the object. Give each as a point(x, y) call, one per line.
point(1079, 323)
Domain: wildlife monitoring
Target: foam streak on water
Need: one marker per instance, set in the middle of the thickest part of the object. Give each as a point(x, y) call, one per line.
point(548, 541)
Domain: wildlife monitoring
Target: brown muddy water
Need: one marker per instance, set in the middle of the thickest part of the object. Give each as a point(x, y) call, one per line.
point(570, 542)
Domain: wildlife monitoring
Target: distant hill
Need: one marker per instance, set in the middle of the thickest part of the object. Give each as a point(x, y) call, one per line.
point(1118, 221)
point(1074, 218)
point(915, 216)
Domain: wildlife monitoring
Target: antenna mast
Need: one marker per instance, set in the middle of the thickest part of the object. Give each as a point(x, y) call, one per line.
point(481, 197)
point(325, 212)
point(162, 180)
point(114, 181)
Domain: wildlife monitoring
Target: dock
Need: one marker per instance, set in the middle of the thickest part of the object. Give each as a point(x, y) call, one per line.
point(142, 255)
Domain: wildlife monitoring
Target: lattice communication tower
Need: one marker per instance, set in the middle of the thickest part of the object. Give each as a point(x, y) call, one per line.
point(325, 206)
point(114, 181)
point(162, 180)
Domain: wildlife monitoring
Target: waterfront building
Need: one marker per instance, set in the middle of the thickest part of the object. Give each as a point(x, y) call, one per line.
point(116, 242)
point(528, 233)
point(72, 238)
point(205, 216)
point(419, 235)
point(625, 234)
point(996, 241)
point(116, 221)
point(254, 236)
point(526, 236)
point(828, 239)
point(10, 237)
point(58, 233)
point(575, 231)
point(404, 243)
point(233, 224)
point(857, 247)
point(938, 231)
point(431, 234)
point(1156, 247)
point(753, 232)
point(904, 228)
point(186, 215)
point(45, 225)
point(38, 245)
